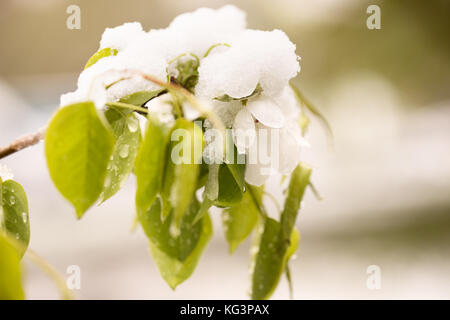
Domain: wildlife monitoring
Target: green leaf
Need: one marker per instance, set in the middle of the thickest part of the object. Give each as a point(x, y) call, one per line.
point(237, 170)
point(10, 273)
point(231, 176)
point(235, 161)
point(239, 220)
point(277, 241)
point(270, 258)
point(229, 191)
point(125, 127)
point(182, 169)
point(305, 102)
point(99, 55)
point(78, 147)
point(204, 207)
point(297, 186)
point(150, 162)
point(303, 122)
point(187, 71)
point(141, 97)
point(176, 257)
point(14, 204)
point(287, 271)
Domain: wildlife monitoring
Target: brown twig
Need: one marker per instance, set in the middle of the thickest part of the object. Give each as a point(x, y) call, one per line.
point(34, 138)
point(22, 143)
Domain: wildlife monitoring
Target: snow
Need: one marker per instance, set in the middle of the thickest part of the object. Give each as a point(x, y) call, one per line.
point(264, 57)
point(241, 61)
point(5, 173)
point(120, 37)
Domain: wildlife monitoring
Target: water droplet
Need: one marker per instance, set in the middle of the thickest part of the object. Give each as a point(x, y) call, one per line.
point(107, 181)
point(124, 150)
point(17, 236)
point(133, 124)
point(12, 200)
point(24, 217)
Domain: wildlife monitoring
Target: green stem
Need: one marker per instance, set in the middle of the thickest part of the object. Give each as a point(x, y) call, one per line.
point(260, 206)
point(176, 104)
point(66, 294)
point(315, 191)
point(213, 46)
point(206, 111)
point(304, 101)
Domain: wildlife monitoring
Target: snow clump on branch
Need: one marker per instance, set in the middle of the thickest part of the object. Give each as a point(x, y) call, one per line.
point(242, 74)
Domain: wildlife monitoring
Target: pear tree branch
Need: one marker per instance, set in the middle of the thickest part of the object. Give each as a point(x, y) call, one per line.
point(22, 142)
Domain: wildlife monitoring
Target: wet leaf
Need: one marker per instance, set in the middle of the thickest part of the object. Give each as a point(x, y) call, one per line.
point(276, 241)
point(270, 257)
point(176, 257)
point(239, 220)
point(150, 163)
point(14, 205)
point(140, 98)
point(229, 191)
point(106, 52)
point(305, 102)
point(10, 273)
point(126, 130)
point(297, 186)
point(182, 169)
point(78, 146)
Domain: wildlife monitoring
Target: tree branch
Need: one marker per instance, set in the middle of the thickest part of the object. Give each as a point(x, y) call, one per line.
point(22, 143)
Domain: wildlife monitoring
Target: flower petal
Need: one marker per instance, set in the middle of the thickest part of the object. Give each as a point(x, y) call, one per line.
point(244, 132)
point(289, 151)
point(267, 112)
point(259, 161)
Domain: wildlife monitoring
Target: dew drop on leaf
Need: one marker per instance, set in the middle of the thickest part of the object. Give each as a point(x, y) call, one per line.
point(107, 181)
point(24, 217)
point(124, 151)
point(133, 124)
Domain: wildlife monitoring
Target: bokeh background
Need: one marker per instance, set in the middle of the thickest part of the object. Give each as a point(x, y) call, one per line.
point(385, 183)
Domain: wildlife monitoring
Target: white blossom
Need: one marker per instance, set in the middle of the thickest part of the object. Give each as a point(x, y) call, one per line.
point(271, 140)
point(250, 68)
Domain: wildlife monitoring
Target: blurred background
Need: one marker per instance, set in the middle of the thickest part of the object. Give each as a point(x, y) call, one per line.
point(385, 184)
